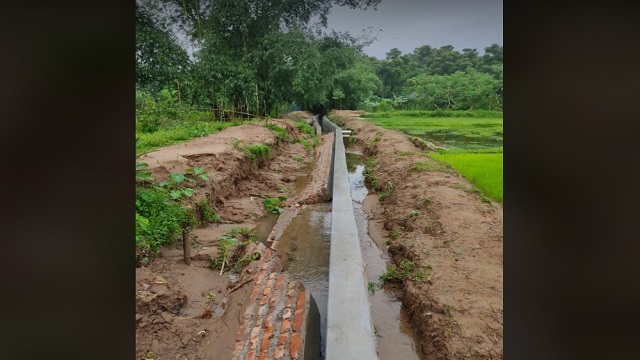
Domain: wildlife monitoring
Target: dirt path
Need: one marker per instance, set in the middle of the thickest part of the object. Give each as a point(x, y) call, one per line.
point(435, 220)
point(185, 311)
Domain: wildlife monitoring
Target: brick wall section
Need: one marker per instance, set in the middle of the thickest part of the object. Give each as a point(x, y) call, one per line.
point(316, 190)
point(274, 322)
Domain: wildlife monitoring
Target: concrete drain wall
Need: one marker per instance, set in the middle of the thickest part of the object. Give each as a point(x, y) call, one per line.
point(350, 333)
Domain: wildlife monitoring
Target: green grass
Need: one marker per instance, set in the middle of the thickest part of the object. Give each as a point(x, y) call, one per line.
point(435, 113)
point(482, 170)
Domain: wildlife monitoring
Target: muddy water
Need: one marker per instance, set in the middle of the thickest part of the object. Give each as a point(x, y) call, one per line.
point(304, 246)
point(395, 339)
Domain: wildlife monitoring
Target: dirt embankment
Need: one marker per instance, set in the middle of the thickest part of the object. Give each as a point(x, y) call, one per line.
point(434, 219)
point(189, 310)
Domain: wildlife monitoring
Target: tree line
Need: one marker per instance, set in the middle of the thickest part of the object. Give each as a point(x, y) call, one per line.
point(266, 57)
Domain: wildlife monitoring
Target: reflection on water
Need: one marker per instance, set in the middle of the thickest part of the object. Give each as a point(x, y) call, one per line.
point(304, 246)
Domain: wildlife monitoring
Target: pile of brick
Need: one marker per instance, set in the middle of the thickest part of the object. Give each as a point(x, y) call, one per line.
point(275, 323)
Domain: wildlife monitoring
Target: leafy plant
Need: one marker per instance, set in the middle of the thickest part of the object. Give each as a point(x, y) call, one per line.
point(405, 270)
point(141, 173)
point(231, 246)
point(199, 174)
point(372, 287)
point(274, 205)
point(206, 213)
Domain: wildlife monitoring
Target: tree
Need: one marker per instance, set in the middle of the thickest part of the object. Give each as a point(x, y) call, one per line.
point(160, 61)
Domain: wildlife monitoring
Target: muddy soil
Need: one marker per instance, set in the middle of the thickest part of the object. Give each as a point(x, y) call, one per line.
point(188, 311)
point(434, 219)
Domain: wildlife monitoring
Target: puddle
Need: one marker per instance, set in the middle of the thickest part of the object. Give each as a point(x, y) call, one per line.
point(395, 339)
point(264, 226)
point(305, 246)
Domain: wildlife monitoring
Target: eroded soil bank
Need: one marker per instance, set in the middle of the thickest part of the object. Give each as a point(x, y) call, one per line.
point(435, 222)
point(190, 311)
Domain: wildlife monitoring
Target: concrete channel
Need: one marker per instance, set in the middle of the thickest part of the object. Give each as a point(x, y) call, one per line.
point(311, 281)
point(350, 333)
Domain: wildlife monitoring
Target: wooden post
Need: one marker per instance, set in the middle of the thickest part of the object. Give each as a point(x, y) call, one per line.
point(186, 246)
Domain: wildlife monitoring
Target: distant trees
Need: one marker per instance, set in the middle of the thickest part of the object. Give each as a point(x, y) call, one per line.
point(263, 56)
point(441, 78)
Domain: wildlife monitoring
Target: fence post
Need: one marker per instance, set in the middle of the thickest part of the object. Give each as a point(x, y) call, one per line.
point(186, 246)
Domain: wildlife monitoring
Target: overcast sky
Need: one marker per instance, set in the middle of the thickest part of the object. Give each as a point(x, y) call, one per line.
point(408, 24)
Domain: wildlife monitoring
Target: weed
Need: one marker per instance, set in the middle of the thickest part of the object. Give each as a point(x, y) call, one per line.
point(414, 213)
point(405, 270)
point(430, 166)
point(389, 190)
point(206, 213)
point(282, 133)
point(372, 287)
point(432, 227)
point(446, 310)
point(306, 144)
point(388, 242)
point(274, 205)
point(306, 129)
point(394, 234)
point(197, 174)
point(284, 189)
point(231, 246)
point(376, 138)
point(298, 158)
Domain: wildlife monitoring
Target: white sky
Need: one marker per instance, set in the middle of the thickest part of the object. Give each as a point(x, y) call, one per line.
point(408, 24)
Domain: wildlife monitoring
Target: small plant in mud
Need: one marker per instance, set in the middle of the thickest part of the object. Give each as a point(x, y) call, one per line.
point(394, 234)
point(282, 133)
point(372, 287)
point(405, 270)
point(387, 193)
point(173, 185)
point(206, 213)
point(376, 139)
point(369, 167)
point(197, 174)
point(414, 213)
point(306, 129)
point(274, 205)
point(231, 245)
point(298, 158)
point(257, 153)
point(306, 144)
point(430, 165)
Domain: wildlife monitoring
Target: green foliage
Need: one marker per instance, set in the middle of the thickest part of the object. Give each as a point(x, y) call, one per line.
point(282, 133)
point(159, 220)
point(141, 173)
point(231, 245)
point(306, 129)
point(298, 158)
point(207, 215)
point(405, 270)
point(274, 205)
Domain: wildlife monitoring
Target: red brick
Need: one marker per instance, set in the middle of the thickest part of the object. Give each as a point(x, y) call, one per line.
point(298, 319)
point(300, 303)
point(288, 303)
point(263, 300)
point(282, 339)
point(294, 346)
point(265, 344)
point(279, 282)
point(272, 276)
point(239, 346)
point(267, 290)
point(264, 356)
point(240, 334)
point(274, 245)
point(254, 292)
point(286, 325)
point(287, 314)
point(260, 278)
point(250, 355)
point(278, 353)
